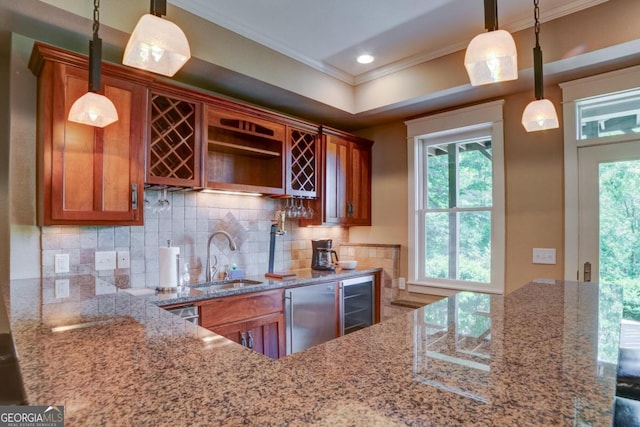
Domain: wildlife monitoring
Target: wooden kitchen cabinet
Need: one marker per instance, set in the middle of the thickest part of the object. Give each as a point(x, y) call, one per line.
point(244, 152)
point(88, 175)
point(174, 146)
point(303, 148)
point(346, 180)
point(254, 320)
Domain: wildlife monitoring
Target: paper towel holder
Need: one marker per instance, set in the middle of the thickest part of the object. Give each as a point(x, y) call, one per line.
point(172, 289)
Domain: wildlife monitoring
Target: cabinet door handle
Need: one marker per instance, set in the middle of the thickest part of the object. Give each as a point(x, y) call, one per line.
point(134, 197)
point(250, 340)
point(243, 339)
point(587, 271)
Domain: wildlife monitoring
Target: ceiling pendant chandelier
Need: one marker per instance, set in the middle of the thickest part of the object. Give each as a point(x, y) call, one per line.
point(491, 57)
point(539, 114)
point(157, 45)
point(92, 108)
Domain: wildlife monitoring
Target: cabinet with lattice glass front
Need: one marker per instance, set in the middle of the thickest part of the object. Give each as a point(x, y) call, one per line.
point(174, 149)
point(302, 161)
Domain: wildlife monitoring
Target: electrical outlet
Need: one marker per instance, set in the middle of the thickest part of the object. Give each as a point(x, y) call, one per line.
point(123, 259)
point(544, 255)
point(402, 283)
point(61, 264)
point(62, 288)
point(106, 260)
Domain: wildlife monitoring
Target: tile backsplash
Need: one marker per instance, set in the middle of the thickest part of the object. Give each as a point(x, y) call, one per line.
point(187, 222)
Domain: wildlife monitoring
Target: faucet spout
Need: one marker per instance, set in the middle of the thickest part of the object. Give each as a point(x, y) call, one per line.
point(232, 245)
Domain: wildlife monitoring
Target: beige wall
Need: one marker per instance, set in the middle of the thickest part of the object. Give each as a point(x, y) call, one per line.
point(534, 166)
point(25, 235)
point(4, 159)
point(534, 192)
point(389, 190)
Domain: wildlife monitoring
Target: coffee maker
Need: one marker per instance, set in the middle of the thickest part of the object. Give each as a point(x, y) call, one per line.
point(323, 257)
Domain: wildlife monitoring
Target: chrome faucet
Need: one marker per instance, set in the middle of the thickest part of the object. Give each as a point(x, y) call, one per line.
point(211, 270)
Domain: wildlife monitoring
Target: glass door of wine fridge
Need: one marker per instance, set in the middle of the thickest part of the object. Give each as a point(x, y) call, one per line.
point(357, 306)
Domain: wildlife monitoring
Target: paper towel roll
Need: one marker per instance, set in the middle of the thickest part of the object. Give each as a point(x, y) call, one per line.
point(168, 266)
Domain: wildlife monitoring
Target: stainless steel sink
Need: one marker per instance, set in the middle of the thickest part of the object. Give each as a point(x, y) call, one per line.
point(210, 287)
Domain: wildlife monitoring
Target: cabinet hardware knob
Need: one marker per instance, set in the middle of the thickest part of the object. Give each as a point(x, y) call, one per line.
point(243, 339)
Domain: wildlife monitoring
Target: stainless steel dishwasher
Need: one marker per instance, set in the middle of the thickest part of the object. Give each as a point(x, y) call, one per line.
point(310, 316)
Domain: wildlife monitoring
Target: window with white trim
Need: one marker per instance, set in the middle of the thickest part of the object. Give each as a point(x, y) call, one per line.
point(608, 115)
point(456, 222)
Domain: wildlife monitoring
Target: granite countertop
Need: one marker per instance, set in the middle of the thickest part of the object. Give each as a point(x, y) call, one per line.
point(202, 291)
point(531, 358)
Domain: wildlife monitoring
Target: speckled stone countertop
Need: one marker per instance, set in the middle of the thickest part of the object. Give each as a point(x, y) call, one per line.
point(532, 358)
point(203, 291)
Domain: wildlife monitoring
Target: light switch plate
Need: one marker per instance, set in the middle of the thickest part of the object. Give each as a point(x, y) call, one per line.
point(402, 283)
point(61, 263)
point(106, 260)
point(544, 255)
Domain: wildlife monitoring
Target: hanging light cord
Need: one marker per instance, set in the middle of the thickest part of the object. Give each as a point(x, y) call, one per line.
point(158, 7)
point(491, 15)
point(95, 51)
point(537, 54)
point(536, 16)
point(96, 17)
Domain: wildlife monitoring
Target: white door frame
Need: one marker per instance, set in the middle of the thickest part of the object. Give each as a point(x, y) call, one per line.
point(573, 91)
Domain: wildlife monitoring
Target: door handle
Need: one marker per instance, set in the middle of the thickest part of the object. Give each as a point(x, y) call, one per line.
point(250, 340)
point(243, 339)
point(587, 271)
point(289, 323)
point(134, 197)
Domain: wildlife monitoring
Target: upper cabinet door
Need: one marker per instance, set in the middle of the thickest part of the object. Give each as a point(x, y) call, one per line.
point(302, 162)
point(89, 175)
point(359, 190)
point(336, 173)
point(174, 147)
point(346, 186)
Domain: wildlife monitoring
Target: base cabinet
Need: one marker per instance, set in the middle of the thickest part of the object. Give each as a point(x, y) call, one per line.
point(254, 320)
point(258, 334)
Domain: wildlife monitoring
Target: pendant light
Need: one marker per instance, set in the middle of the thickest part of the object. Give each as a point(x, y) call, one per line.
point(539, 114)
point(157, 45)
point(92, 108)
point(491, 57)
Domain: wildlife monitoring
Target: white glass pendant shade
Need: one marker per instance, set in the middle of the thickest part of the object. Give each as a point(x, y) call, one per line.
point(157, 45)
point(93, 109)
point(491, 57)
point(540, 115)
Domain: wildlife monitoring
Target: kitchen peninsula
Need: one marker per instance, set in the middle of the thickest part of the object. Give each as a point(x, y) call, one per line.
point(532, 357)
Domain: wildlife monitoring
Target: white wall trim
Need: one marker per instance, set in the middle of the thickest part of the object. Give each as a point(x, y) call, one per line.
point(573, 91)
point(452, 122)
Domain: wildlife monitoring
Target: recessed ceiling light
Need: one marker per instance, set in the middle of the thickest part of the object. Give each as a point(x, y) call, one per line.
point(365, 59)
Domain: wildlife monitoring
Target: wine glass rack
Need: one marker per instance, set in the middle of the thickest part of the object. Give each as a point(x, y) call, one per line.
point(174, 149)
point(303, 163)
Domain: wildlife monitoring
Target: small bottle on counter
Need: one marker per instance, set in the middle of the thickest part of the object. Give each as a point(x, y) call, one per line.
point(186, 277)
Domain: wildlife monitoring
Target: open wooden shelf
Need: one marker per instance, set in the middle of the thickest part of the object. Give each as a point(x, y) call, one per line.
point(232, 148)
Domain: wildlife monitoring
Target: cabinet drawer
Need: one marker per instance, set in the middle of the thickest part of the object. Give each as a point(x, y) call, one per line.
point(237, 308)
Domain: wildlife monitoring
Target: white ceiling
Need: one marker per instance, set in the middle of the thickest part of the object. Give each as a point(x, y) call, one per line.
point(328, 35)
